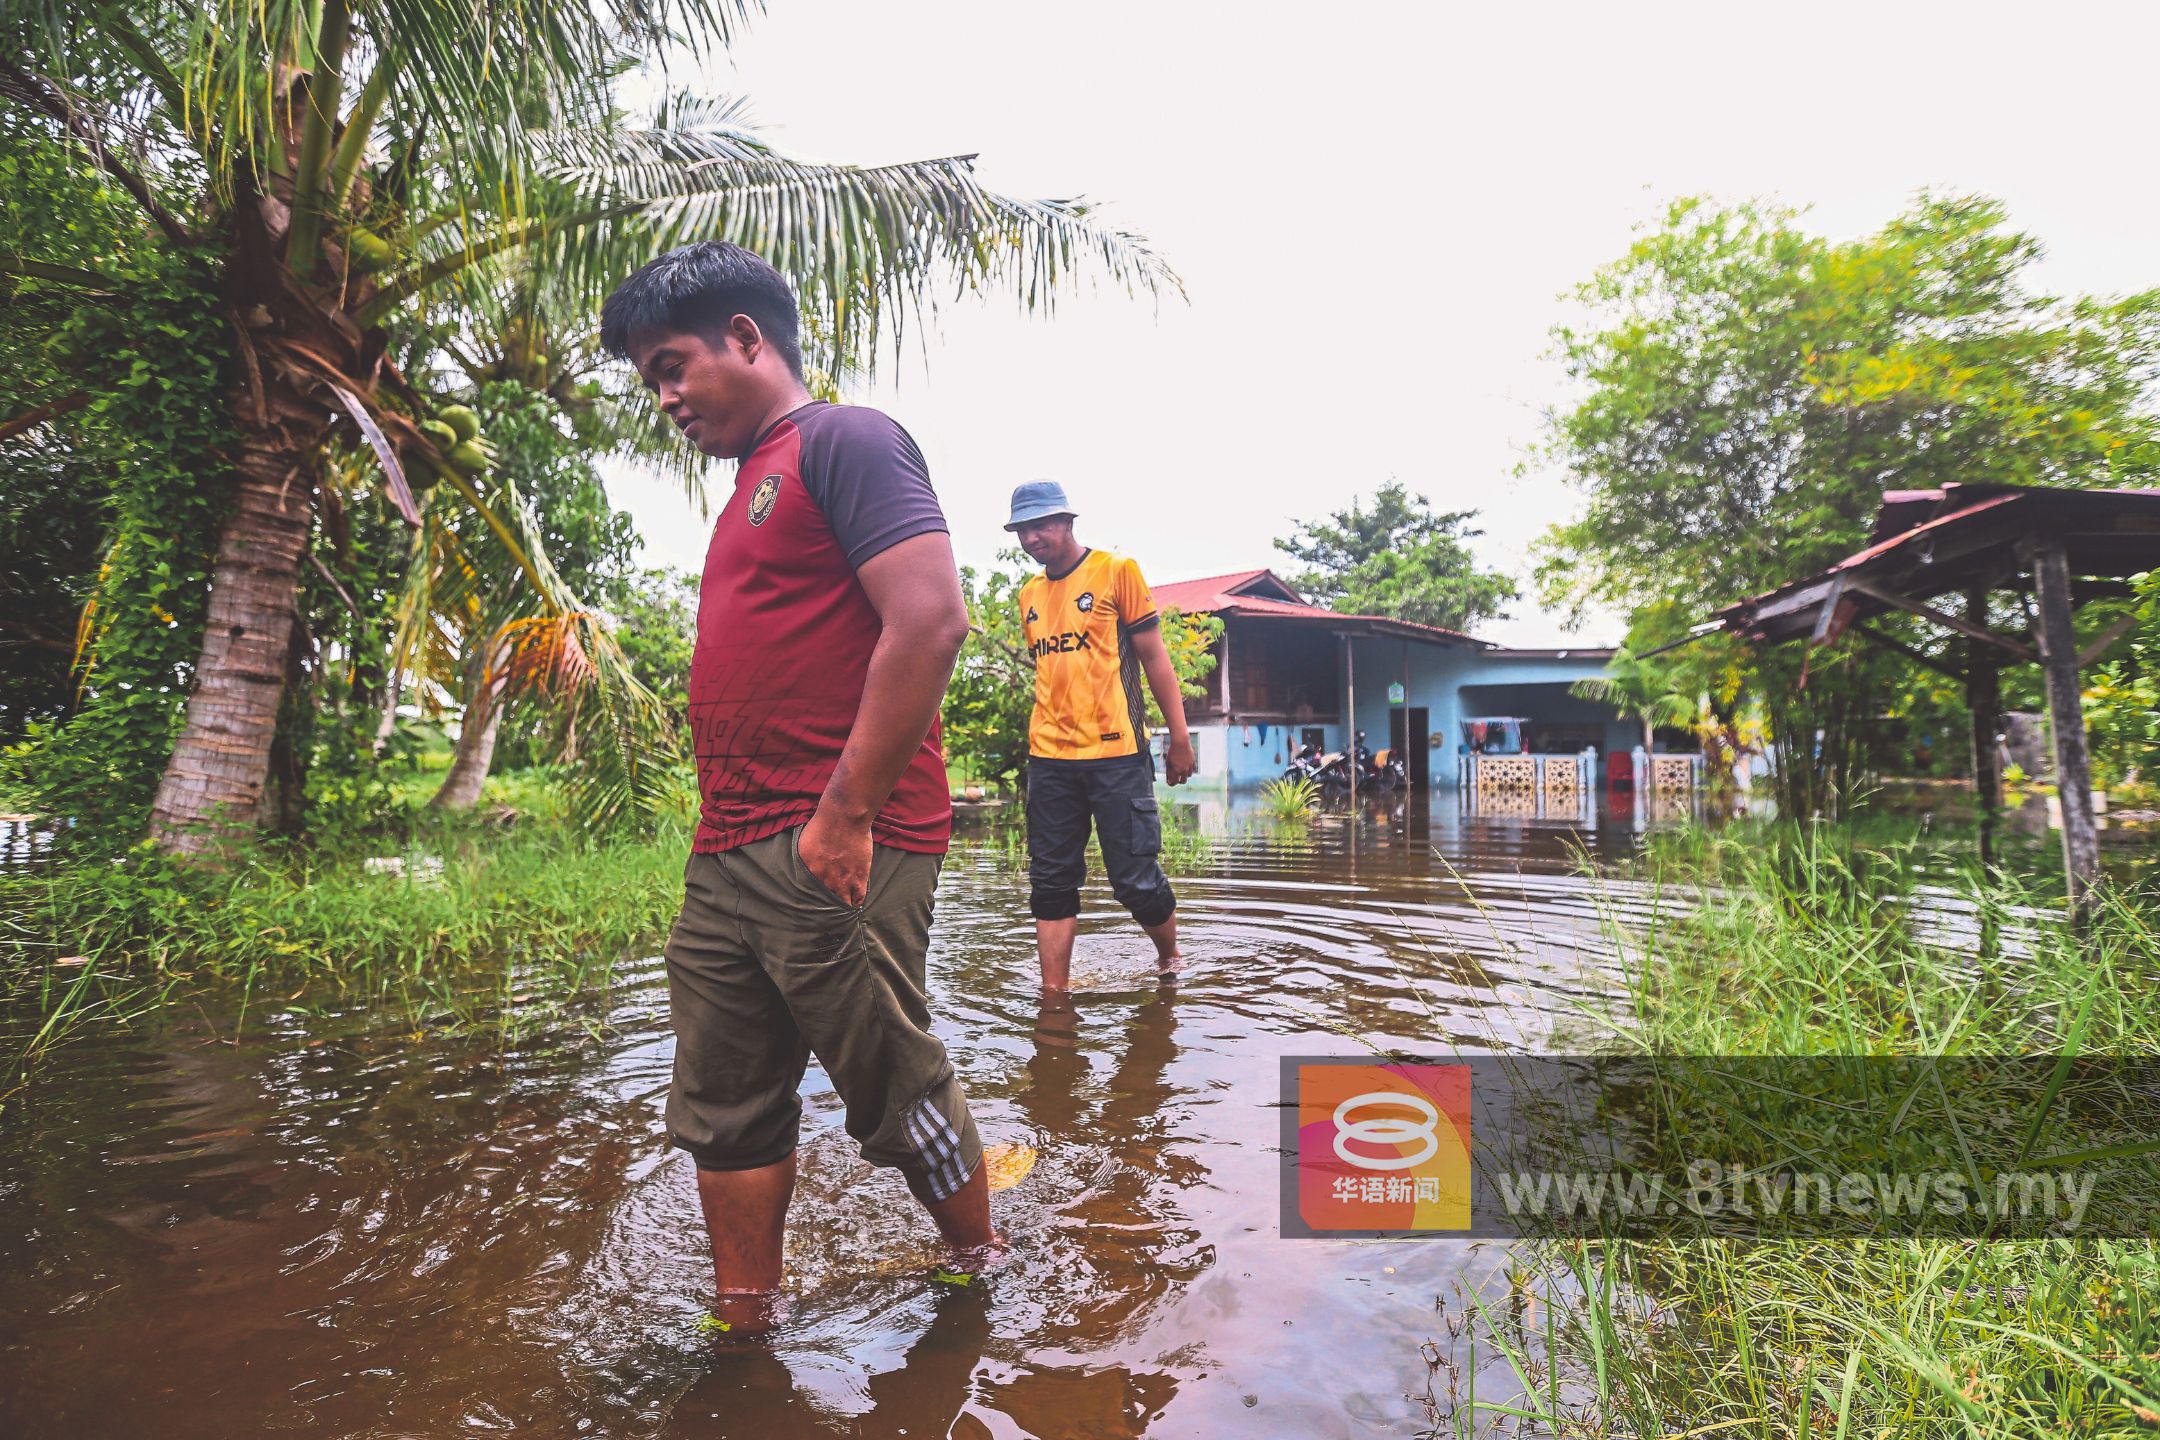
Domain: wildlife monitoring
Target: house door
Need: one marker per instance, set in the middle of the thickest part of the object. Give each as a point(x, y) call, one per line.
point(1407, 737)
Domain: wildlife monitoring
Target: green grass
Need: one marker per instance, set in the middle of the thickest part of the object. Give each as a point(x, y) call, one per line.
point(527, 891)
point(469, 923)
point(1801, 942)
point(475, 920)
point(532, 792)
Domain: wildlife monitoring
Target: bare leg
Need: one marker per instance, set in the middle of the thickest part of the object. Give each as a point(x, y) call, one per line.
point(1057, 1021)
point(963, 1217)
point(746, 1218)
point(1054, 944)
point(1168, 959)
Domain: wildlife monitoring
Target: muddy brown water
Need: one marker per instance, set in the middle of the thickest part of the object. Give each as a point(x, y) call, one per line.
point(335, 1227)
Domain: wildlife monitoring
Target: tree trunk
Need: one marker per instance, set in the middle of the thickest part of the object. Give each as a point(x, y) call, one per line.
point(213, 785)
point(476, 739)
point(387, 726)
point(469, 765)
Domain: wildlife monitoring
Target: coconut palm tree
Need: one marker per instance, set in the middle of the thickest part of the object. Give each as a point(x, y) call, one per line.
point(1646, 691)
point(485, 622)
point(1704, 698)
point(350, 163)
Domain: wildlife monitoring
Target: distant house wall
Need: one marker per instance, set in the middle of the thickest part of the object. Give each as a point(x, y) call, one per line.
point(1289, 665)
point(1565, 720)
point(1258, 752)
point(1454, 684)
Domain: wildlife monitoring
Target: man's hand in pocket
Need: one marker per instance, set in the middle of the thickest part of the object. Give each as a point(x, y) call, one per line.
point(837, 852)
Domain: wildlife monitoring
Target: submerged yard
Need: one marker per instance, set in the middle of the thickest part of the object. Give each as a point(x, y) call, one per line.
point(396, 1167)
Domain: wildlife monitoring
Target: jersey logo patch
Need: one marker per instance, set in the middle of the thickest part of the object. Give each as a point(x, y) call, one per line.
point(762, 498)
point(1086, 602)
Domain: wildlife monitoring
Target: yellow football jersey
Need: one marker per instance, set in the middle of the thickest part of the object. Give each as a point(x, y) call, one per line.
point(1079, 628)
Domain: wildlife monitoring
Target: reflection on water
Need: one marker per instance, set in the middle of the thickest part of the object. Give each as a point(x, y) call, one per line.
point(333, 1230)
point(23, 840)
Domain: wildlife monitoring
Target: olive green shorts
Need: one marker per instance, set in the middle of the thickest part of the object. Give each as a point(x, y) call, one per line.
point(766, 967)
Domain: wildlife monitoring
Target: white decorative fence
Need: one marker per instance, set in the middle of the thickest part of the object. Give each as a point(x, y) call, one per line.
point(1564, 787)
point(1527, 786)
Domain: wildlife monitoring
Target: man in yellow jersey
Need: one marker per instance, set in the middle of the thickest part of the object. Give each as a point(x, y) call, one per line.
point(1092, 631)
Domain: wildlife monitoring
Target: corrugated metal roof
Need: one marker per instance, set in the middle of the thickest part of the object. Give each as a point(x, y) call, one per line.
point(1932, 542)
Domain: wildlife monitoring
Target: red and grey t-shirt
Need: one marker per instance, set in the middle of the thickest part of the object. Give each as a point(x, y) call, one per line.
point(785, 631)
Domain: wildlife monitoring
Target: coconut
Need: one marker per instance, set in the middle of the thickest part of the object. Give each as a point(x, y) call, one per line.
point(469, 458)
point(367, 250)
point(444, 437)
point(461, 419)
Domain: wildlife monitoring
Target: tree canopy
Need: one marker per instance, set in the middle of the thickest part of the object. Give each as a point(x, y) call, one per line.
point(1749, 390)
point(346, 221)
point(1396, 557)
point(1745, 393)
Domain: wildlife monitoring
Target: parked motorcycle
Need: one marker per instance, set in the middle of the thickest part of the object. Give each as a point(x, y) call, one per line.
point(1306, 765)
point(1386, 772)
point(1302, 770)
point(1383, 771)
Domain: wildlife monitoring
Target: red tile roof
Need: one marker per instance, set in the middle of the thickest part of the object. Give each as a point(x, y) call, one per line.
point(1205, 596)
point(1221, 595)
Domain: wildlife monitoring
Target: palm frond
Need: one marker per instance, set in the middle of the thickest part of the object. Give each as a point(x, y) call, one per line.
point(484, 589)
point(867, 247)
point(545, 656)
point(485, 74)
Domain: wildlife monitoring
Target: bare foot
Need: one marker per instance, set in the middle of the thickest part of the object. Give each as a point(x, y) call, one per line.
point(1168, 966)
point(742, 1314)
point(973, 1265)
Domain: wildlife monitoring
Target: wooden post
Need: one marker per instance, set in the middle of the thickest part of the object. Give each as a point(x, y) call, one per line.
point(1225, 678)
point(1983, 697)
point(2066, 716)
point(1350, 722)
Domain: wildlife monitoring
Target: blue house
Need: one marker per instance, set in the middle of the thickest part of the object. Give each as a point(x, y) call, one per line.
point(1287, 671)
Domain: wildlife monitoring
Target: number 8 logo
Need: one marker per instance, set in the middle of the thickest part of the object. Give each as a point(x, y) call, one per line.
point(1387, 1130)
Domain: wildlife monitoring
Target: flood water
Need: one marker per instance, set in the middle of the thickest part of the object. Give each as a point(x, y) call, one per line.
point(334, 1227)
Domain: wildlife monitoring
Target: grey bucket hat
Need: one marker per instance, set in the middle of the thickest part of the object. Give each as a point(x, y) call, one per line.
point(1036, 500)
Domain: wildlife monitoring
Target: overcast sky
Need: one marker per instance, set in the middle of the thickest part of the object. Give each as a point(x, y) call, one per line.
point(1377, 211)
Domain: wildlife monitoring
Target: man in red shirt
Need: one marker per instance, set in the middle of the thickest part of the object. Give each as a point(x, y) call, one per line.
point(829, 618)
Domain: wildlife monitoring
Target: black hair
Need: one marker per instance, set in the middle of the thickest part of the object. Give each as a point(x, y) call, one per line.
point(696, 290)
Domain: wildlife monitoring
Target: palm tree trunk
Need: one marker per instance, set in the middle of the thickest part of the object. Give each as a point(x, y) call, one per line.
point(214, 782)
point(387, 726)
point(475, 752)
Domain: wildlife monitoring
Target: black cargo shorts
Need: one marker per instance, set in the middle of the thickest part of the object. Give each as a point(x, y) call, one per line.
point(767, 967)
point(1118, 798)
